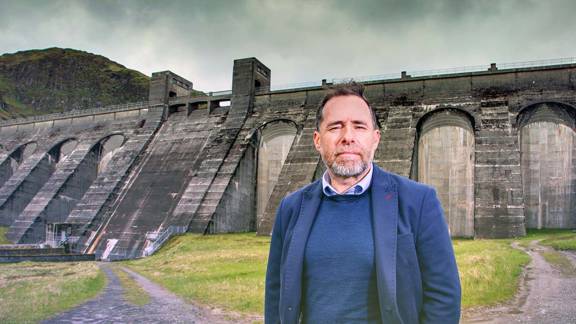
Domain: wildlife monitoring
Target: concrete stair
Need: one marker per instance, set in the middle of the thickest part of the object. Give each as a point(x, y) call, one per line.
point(212, 158)
point(397, 142)
point(28, 226)
point(153, 188)
point(21, 188)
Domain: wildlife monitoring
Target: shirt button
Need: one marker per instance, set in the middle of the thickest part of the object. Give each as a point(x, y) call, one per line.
point(290, 308)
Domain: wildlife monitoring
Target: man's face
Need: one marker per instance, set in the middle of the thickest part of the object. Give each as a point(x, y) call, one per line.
point(347, 138)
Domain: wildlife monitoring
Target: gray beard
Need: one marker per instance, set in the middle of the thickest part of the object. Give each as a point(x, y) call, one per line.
point(348, 172)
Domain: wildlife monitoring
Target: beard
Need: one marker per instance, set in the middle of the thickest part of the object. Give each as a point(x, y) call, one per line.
point(347, 170)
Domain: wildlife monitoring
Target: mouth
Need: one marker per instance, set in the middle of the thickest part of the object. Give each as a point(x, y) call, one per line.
point(347, 154)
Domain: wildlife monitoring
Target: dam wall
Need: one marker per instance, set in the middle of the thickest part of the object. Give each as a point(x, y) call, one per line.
point(497, 145)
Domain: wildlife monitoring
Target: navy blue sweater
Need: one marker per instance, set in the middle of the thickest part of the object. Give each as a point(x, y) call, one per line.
point(339, 278)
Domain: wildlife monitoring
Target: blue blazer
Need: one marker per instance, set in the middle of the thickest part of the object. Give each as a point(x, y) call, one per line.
point(416, 270)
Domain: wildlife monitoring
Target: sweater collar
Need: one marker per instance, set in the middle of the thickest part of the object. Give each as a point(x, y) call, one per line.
point(357, 189)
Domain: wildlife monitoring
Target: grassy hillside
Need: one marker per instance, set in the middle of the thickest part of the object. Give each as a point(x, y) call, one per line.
point(55, 79)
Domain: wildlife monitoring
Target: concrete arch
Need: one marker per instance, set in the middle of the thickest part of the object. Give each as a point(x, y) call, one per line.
point(448, 116)
point(274, 140)
point(88, 166)
point(547, 135)
point(547, 111)
point(62, 149)
point(444, 159)
point(33, 178)
point(273, 121)
point(15, 159)
point(108, 146)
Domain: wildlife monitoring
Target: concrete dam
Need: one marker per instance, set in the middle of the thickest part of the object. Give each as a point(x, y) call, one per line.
point(497, 143)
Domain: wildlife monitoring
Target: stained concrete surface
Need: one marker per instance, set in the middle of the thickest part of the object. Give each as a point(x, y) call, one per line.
point(211, 188)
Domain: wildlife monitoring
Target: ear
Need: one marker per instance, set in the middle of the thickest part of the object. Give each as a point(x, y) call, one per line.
point(317, 141)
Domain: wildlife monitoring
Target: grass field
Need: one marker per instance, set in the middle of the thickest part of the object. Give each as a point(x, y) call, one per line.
point(221, 270)
point(30, 292)
point(565, 240)
point(557, 238)
point(489, 270)
point(3, 239)
point(229, 270)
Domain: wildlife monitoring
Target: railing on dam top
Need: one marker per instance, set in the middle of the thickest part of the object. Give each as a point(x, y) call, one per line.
point(493, 67)
point(76, 113)
point(422, 73)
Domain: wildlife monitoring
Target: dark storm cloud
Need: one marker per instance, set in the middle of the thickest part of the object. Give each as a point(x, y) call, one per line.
point(299, 40)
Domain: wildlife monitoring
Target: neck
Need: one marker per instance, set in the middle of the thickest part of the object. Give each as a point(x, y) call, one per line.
point(342, 184)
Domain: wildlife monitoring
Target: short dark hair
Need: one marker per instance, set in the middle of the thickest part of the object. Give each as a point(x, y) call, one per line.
point(351, 88)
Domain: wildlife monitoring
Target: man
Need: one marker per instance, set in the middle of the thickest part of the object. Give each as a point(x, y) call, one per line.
point(360, 245)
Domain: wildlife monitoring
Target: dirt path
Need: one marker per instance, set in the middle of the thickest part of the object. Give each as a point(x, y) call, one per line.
point(111, 307)
point(546, 295)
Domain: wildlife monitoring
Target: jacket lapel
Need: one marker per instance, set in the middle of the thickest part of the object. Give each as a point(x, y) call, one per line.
point(385, 224)
point(295, 258)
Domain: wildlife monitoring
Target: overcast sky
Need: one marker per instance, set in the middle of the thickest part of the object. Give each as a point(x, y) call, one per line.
point(299, 41)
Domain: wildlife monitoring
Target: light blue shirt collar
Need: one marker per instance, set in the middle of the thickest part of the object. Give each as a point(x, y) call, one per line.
point(356, 189)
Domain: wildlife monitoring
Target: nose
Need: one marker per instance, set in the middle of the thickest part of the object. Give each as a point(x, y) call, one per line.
point(348, 135)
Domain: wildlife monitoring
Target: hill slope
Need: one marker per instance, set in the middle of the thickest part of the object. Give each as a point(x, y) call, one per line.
point(52, 80)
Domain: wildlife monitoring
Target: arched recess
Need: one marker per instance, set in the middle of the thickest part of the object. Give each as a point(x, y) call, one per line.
point(14, 160)
point(274, 141)
point(34, 181)
point(445, 160)
point(108, 147)
point(547, 159)
point(94, 163)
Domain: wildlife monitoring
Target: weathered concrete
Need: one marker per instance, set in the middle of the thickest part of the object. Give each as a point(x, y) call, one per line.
point(48, 186)
point(548, 165)
point(165, 85)
point(154, 186)
point(48, 258)
point(188, 163)
point(275, 141)
point(446, 162)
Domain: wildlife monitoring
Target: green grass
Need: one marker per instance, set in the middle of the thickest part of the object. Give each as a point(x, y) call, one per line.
point(30, 292)
point(489, 270)
point(3, 239)
point(228, 271)
point(560, 239)
point(565, 240)
point(221, 270)
point(561, 243)
point(133, 293)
